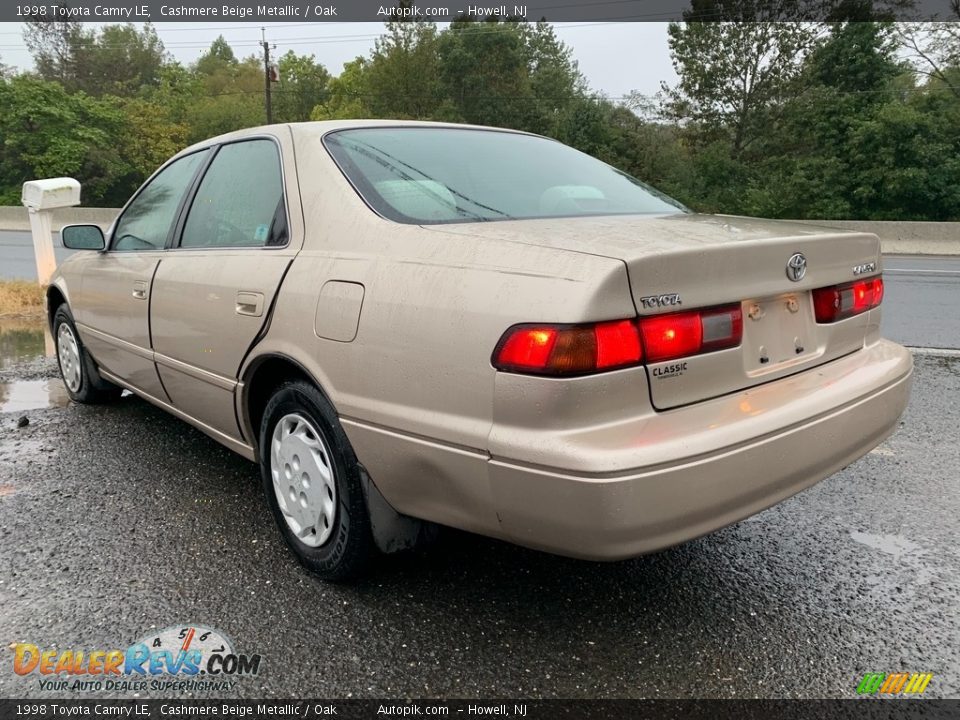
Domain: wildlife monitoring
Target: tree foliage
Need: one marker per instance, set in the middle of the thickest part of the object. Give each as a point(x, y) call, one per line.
point(935, 47)
point(116, 59)
point(48, 132)
point(848, 133)
point(303, 86)
point(734, 75)
point(857, 118)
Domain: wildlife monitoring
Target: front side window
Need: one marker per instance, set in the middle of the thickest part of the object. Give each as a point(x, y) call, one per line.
point(421, 175)
point(240, 200)
point(148, 220)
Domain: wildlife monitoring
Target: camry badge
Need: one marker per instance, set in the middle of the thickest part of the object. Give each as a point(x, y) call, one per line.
point(796, 267)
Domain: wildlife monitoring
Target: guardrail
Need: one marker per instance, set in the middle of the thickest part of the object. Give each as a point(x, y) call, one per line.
point(896, 236)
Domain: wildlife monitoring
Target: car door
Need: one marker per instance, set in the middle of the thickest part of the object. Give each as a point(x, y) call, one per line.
point(213, 291)
point(112, 308)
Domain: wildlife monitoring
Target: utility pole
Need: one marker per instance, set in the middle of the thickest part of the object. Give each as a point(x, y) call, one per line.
point(266, 74)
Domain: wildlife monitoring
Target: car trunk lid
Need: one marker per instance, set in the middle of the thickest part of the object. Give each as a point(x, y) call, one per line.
point(684, 262)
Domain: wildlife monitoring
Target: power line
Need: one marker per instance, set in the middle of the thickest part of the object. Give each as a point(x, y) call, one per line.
point(533, 98)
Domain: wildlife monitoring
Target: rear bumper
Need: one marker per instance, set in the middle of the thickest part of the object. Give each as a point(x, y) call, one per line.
point(687, 472)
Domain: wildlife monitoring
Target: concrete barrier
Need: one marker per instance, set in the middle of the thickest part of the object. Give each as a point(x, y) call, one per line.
point(902, 237)
point(16, 218)
point(896, 237)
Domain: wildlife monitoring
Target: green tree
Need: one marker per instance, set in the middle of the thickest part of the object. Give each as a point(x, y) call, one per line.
point(176, 90)
point(555, 79)
point(227, 95)
point(218, 58)
point(48, 132)
point(733, 76)
point(401, 77)
point(484, 73)
point(150, 137)
point(119, 60)
point(53, 46)
point(116, 59)
point(303, 86)
point(346, 94)
point(906, 165)
point(857, 142)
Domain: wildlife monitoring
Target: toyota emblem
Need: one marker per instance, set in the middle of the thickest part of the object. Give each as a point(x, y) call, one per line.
point(796, 267)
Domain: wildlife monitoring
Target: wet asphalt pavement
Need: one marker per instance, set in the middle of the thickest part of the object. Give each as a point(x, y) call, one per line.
point(117, 520)
point(921, 305)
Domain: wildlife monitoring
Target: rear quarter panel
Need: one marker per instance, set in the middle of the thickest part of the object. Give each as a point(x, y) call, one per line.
point(415, 387)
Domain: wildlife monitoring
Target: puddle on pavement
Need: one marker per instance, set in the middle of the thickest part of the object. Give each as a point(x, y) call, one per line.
point(32, 395)
point(23, 339)
point(890, 544)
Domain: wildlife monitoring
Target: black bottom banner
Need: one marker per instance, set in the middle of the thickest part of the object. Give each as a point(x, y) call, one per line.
point(522, 710)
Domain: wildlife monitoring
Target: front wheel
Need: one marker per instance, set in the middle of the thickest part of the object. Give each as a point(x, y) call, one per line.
point(312, 483)
point(79, 371)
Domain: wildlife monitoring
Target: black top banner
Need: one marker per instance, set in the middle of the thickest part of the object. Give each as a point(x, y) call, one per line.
point(159, 11)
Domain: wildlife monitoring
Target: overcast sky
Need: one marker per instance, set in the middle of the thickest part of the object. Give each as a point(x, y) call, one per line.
point(616, 58)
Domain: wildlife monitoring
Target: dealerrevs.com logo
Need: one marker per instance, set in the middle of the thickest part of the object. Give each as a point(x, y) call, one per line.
point(178, 658)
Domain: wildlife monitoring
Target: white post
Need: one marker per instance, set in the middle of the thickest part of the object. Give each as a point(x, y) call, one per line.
point(41, 226)
point(40, 197)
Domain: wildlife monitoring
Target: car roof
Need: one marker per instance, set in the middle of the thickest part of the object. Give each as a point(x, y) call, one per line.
point(318, 128)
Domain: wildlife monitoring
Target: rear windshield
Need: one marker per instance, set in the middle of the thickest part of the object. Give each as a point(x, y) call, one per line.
point(426, 176)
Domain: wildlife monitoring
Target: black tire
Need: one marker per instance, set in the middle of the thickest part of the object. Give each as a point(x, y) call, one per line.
point(90, 388)
point(348, 550)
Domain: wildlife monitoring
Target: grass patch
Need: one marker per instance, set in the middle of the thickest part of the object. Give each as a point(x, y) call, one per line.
point(21, 298)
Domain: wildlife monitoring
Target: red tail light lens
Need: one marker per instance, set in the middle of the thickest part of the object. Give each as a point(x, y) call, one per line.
point(525, 348)
point(671, 336)
point(568, 349)
point(582, 349)
point(839, 302)
point(618, 344)
point(666, 337)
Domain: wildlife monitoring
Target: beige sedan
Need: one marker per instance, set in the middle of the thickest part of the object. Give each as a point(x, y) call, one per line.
point(412, 324)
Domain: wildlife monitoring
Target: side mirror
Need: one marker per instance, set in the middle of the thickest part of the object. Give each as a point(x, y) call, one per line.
point(82, 237)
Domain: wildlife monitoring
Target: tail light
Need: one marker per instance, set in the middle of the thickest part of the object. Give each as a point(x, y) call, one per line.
point(568, 349)
point(838, 302)
point(582, 349)
point(666, 337)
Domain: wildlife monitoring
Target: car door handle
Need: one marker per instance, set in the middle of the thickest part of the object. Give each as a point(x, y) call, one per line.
point(140, 290)
point(250, 303)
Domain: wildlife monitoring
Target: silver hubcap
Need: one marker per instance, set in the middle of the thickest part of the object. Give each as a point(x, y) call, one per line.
point(303, 479)
point(69, 354)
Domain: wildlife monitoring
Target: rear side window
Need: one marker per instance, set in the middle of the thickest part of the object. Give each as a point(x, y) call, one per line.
point(239, 202)
point(148, 220)
point(430, 175)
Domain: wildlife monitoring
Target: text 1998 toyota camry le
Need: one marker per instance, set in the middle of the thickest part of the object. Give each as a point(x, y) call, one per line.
point(409, 322)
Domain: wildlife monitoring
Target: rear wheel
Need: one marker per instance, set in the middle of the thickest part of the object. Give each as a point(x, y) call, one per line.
point(312, 483)
point(79, 371)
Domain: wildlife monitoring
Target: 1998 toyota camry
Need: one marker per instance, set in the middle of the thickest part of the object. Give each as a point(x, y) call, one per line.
point(409, 324)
